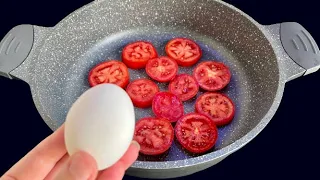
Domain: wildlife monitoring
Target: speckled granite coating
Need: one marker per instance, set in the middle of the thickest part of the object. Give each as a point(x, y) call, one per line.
point(62, 56)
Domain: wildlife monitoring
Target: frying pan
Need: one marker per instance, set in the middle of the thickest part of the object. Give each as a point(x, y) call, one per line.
point(55, 62)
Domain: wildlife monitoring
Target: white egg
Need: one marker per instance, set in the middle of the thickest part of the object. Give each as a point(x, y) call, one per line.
point(101, 122)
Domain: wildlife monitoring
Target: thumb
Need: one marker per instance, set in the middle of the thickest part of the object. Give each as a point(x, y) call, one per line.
point(81, 166)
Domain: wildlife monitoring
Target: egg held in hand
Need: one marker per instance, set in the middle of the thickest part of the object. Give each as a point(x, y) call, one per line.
point(101, 122)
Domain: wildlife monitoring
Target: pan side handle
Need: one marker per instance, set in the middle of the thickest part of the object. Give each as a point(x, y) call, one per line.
point(15, 48)
point(297, 47)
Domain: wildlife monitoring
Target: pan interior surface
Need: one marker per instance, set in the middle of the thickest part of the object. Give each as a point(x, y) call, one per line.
point(99, 31)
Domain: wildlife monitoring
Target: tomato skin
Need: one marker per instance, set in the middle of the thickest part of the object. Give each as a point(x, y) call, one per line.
point(119, 75)
point(155, 135)
point(162, 69)
point(212, 75)
point(142, 91)
point(184, 86)
point(136, 55)
point(196, 133)
point(167, 105)
point(208, 99)
point(190, 48)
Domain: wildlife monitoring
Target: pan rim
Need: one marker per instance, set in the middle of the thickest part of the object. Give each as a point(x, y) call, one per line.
point(206, 158)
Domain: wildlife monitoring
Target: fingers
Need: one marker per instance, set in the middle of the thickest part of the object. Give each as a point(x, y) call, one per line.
point(117, 171)
point(53, 173)
point(80, 166)
point(40, 160)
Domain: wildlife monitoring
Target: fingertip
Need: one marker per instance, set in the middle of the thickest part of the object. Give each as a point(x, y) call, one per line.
point(136, 144)
point(83, 165)
point(117, 171)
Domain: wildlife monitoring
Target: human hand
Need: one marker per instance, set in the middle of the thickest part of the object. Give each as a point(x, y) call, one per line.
point(49, 160)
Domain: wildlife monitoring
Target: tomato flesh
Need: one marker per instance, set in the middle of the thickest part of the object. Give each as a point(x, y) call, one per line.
point(184, 86)
point(196, 133)
point(216, 106)
point(212, 76)
point(112, 71)
point(185, 51)
point(142, 91)
point(167, 105)
point(155, 135)
point(162, 69)
point(136, 55)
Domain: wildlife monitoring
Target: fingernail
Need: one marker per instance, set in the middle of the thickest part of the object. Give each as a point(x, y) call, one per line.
point(78, 167)
point(136, 144)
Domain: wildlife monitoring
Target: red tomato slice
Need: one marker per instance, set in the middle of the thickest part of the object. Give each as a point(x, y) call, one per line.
point(184, 86)
point(185, 51)
point(111, 71)
point(196, 133)
point(212, 76)
point(162, 69)
point(216, 106)
point(167, 105)
point(155, 135)
point(142, 91)
point(136, 55)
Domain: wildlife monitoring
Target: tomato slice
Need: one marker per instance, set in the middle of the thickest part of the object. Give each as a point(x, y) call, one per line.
point(212, 76)
point(167, 105)
point(111, 71)
point(184, 86)
point(196, 133)
point(142, 91)
point(216, 106)
point(136, 55)
point(162, 69)
point(155, 135)
point(185, 51)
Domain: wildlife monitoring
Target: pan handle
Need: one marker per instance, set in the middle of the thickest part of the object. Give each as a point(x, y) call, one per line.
point(296, 45)
point(15, 48)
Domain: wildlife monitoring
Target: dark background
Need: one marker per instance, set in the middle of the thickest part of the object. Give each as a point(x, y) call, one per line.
point(287, 148)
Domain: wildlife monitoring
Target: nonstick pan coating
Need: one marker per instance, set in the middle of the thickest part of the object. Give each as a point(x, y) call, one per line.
point(244, 85)
point(58, 66)
point(76, 45)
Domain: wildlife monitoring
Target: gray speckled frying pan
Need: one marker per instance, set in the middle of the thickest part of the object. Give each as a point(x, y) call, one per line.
point(55, 63)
